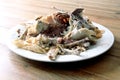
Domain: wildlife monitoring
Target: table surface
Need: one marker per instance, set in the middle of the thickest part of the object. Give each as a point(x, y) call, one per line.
point(104, 67)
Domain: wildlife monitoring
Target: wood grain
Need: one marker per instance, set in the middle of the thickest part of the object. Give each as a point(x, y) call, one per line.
point(104, 67)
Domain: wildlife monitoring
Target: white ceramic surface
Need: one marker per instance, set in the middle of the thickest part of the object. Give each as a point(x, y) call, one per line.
point(103, 44)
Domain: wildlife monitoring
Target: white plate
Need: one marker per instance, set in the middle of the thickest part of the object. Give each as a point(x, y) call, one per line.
point(103, 44)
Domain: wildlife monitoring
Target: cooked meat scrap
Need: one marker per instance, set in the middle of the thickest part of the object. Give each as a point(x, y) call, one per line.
point(78, 20)
point(77, 13)
point(62, 22)
point(54, 30)
point(62, 18)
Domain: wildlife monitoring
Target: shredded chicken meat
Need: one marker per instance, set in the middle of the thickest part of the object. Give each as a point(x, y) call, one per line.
point(59, 33)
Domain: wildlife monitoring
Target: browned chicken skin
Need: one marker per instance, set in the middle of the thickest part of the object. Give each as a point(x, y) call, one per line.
point(57, 23)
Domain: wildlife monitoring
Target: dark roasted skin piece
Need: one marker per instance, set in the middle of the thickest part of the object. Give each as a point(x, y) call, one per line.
point(62, 18)
point(77, 12)
point(62, 22)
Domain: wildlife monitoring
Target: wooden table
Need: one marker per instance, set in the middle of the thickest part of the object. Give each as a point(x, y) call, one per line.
point(104, 67)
